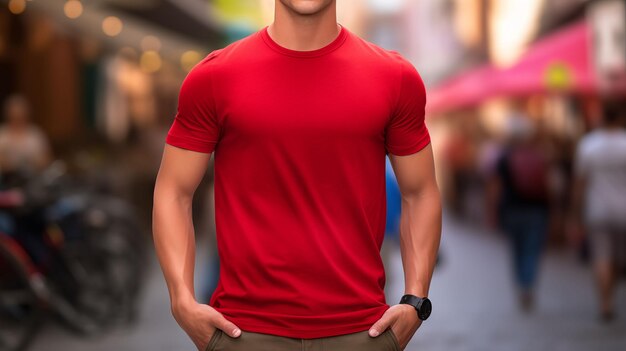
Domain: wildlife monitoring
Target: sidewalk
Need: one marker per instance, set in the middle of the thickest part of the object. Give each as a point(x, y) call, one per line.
point(474, 307)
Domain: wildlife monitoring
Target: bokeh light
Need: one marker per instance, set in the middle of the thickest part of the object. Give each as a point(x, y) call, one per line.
point(73, 8)
point(150, 61)
point(189, 59)
point(17, 6)
point(112, 26)
point(150, 42)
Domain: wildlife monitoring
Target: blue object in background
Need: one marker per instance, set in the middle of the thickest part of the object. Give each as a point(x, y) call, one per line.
point(7, 226)
point(394, 202)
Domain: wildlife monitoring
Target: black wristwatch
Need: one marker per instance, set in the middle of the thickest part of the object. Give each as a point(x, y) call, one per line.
point(422, 305)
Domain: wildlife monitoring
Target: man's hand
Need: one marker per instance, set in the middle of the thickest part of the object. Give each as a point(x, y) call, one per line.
point(200, 321)
point(403, 321)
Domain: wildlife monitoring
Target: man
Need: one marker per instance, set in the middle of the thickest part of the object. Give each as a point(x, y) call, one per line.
point(300, 116)
point(599, 200)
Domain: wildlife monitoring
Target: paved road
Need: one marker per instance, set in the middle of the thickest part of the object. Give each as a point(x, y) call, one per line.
point(474, 306)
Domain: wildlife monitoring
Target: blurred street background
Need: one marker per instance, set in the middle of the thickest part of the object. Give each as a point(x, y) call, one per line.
point(526, 110)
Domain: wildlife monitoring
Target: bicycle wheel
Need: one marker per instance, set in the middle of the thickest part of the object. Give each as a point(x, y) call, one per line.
point(20, 310)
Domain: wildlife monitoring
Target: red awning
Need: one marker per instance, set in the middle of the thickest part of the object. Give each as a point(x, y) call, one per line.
point(560, 61)
point(465, 90)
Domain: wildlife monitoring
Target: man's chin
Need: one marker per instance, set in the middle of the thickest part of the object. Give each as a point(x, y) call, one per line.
point(306, 7)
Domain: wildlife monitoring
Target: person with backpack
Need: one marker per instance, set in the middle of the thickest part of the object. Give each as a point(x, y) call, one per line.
point(521, 176)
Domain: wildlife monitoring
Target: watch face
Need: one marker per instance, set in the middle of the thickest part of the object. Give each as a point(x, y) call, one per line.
point(425, 309)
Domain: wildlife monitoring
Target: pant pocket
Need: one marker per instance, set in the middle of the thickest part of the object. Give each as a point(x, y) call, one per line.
point(213, 341)
point(394, 339)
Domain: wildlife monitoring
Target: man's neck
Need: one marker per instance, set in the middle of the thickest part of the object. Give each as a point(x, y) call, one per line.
point(304, 33)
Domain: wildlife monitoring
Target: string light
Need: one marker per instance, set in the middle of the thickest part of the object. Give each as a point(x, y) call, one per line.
point(150, 61)
point(17, 6)
point(112, 26)
point(150, 42)
point(189, 59)
point(73, 9)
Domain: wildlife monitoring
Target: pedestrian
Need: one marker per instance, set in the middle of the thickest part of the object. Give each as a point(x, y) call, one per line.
point(599, 201)
point(522, 175)
point(24, 147)
point(300, 116)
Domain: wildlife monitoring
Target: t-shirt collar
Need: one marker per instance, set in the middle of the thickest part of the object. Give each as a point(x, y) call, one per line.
point(336, 43)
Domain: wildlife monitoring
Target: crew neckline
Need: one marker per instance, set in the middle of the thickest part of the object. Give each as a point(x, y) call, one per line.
point(332, 46)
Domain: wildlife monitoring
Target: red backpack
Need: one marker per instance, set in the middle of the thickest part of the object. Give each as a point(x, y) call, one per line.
point(529, 173)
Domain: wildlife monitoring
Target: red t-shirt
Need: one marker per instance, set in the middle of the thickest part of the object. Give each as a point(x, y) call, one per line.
point(299, 141)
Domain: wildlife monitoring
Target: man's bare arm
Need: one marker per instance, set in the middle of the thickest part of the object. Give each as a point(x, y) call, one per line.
point(420, 234)
point(174, 239)
point(420, 221)
point(179, 175)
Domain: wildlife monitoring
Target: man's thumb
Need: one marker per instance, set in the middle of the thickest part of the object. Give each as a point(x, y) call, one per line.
point(380, 325)
point(227, 326)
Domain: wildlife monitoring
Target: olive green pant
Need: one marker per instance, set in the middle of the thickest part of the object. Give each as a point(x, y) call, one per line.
point(251, 341)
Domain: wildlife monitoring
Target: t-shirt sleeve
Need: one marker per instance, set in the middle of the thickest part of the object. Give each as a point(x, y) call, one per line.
point(406, 132)
point(195, 125)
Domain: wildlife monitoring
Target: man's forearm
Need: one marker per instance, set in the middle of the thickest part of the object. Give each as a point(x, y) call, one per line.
point(174, 241)
point(420, 235)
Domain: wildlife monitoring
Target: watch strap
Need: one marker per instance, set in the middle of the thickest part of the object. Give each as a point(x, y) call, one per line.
point(423, 312)
point(412, 300)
